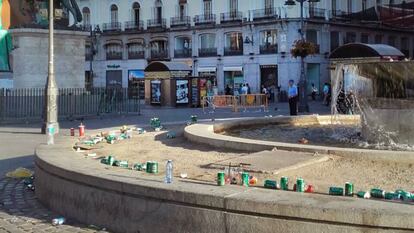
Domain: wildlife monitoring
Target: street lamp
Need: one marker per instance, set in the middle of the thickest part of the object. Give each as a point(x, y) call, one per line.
point(94, 33)
point(51, 125)
point(303, 97)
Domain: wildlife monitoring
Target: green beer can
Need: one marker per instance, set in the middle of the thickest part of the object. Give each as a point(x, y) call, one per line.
point(392, 196)
point(349, 189)
point(270, 184)
point(336, 191)
point(110, 160)
point(404, 195)
point(245, 179)
point(300, 185)
point(363, 194)
point(284, 183)
point(152, 167)
point(220, 179)
point(377, 193)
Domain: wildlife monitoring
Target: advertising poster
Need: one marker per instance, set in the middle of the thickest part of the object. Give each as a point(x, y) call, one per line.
point(156, 91)
point(182, 91)
point(135, 74)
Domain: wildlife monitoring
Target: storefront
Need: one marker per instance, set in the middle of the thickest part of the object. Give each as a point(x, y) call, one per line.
point(136, 84)
point(233, 79)
point(167, 84)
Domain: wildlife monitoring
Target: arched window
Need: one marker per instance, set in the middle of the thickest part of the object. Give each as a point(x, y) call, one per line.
point(136, 12)
point(86, 16)
point(158, 11)
point(114, 14)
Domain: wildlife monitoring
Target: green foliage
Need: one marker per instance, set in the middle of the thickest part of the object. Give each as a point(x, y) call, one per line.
point(303, 48)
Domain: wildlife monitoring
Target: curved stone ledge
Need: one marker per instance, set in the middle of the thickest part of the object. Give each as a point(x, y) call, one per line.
point(126, 201)
point(209, 133)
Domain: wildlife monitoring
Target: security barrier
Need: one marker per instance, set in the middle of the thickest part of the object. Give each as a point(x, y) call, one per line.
point(235, 102)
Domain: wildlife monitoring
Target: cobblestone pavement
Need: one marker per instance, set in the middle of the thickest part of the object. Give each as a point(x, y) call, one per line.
point(20, 211)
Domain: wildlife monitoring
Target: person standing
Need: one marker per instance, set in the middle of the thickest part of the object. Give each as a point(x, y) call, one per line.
point(314, 92)
point(244, 89)
point(293, 98)
point(248, 89)
point(227, 91)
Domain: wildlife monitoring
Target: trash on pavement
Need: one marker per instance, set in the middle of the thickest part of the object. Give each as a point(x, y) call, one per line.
point(171, 135)
point(58, 221)
point(20, 173)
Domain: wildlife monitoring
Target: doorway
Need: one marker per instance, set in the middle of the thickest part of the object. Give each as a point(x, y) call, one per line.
point(313, 76)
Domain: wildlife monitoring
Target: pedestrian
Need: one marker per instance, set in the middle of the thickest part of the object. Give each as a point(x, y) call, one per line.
point(314, 92)
point(244, 90)
point(293, 98)
point(248, 89)
point(227, 91)
point(264, 90)
point(325, 93)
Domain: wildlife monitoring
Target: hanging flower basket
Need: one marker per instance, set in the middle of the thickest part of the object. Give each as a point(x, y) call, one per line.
point(303, 48)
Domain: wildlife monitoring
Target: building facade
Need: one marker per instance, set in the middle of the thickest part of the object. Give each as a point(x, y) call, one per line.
point(237, 41)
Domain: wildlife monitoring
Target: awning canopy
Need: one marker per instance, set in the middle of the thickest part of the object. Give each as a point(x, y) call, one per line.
point(233, 68)
point(167, 66)
point(360, 50)
point(207, 69)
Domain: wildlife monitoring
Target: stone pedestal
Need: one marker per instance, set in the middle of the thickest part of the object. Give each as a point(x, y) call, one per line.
point(30, 58)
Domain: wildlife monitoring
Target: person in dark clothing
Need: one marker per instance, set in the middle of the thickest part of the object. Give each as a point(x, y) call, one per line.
point(228, 90)
point(248, 89)
point(293, 98)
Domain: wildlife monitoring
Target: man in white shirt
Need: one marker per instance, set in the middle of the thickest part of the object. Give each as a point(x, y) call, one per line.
point(293, 98)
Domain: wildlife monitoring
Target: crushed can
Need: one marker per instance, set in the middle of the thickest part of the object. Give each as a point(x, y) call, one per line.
point(270, 184)
point(336, 191)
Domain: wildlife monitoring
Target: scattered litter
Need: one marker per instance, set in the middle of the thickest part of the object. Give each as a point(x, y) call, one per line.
point(158, 129)
point(91, 155)
point(141, 131)
point(20, 173)
point(121, 163)
point(171, 135)
point(155, 123)
point(309, 189)
point(58, 221)
point(252, 180)
point(139, 167)
point(303, 141)
point(184, 175)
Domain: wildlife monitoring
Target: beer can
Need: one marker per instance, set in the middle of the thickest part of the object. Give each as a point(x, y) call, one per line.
point(349, 189)
point(404, 195)
point(110, 160)
point(149, 165)
point(392, 196)
point(300, 185)
point(363, 194)
point(270, 184)
point(245, 179)
point(336, 191)
point(123, 164)
point(220, 179)
point(284, 183)
point(72, 132)
point(152, 167)
point(377, 193)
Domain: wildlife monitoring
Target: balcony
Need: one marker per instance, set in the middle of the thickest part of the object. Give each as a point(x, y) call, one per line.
point(156, 23)
point(205, 19)
point(183, 53)
point(181, 21)
point(112, 27)
point(207, 52)
point(134, 25)
point(316, 13)
point(268, 49)
point(265, 14)
point(235, 16)
point(160, 55)
point(113, 55)
point(136, 55)
point(233, 51)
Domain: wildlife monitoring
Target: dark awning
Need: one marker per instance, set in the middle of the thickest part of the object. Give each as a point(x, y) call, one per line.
point(167, 66)
point(359, 50)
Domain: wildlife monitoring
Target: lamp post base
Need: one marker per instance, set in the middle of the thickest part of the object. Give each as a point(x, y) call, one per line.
point(45, 124)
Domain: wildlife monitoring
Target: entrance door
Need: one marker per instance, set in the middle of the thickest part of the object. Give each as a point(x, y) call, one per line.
point(114, 79)
point(268, 76)
point(313, 76)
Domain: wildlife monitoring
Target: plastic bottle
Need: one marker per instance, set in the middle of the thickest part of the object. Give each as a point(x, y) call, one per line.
point(169, 172)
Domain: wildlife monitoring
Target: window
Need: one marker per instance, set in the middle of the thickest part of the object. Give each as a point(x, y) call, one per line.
point(158, 11)
point(349, 6)
point(114, 14)
point(269, 4)
point(233, 5)
point(113, 52)
point(364, 38)
point(233, 43)
point(86, 13)
point(182, 47)
point(268, 41)
point(334, 40)
point(136, 51)
point(312, 36)
point(207, 7)
point(207, 45)
point(182, 8)
point(378, 39)
point(136, 12)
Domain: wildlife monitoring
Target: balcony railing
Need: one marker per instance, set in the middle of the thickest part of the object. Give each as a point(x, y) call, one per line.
point(316, 13)
point(233, 16)
point(181, 53)
point(136, 54)
point(113, 55)
point(159, 55)
point(114, 26)
point(157, 23)
point(207, 52)
point(134, 25)
point(180, 21)
point(267, 13)
point(268, 49)
point(205, 19)
point(233, 51)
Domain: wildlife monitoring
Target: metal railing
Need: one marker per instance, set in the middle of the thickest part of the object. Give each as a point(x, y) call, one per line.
point(159, 55)
point(136, 55)
point(235, 102)
point(156, 23)
point(234, 16)
point(113, 55)
point(205, 19)
point(28, 104)
point(114, 26)
point(207, 52)
point(134, 25)
point(180, 21)
point(233, 51)
point(182, 53)
point(268, 49)
point(267, 13)
point(316, 12)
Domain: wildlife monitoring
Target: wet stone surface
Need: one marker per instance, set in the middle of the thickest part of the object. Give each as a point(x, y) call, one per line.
point(20, 211)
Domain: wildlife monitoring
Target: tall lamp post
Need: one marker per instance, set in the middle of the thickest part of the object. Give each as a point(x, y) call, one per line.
point(51, 92)
point(303, 97)
point(94, 33)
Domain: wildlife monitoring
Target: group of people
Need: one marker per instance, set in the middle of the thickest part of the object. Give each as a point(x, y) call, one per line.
point(243, 90)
